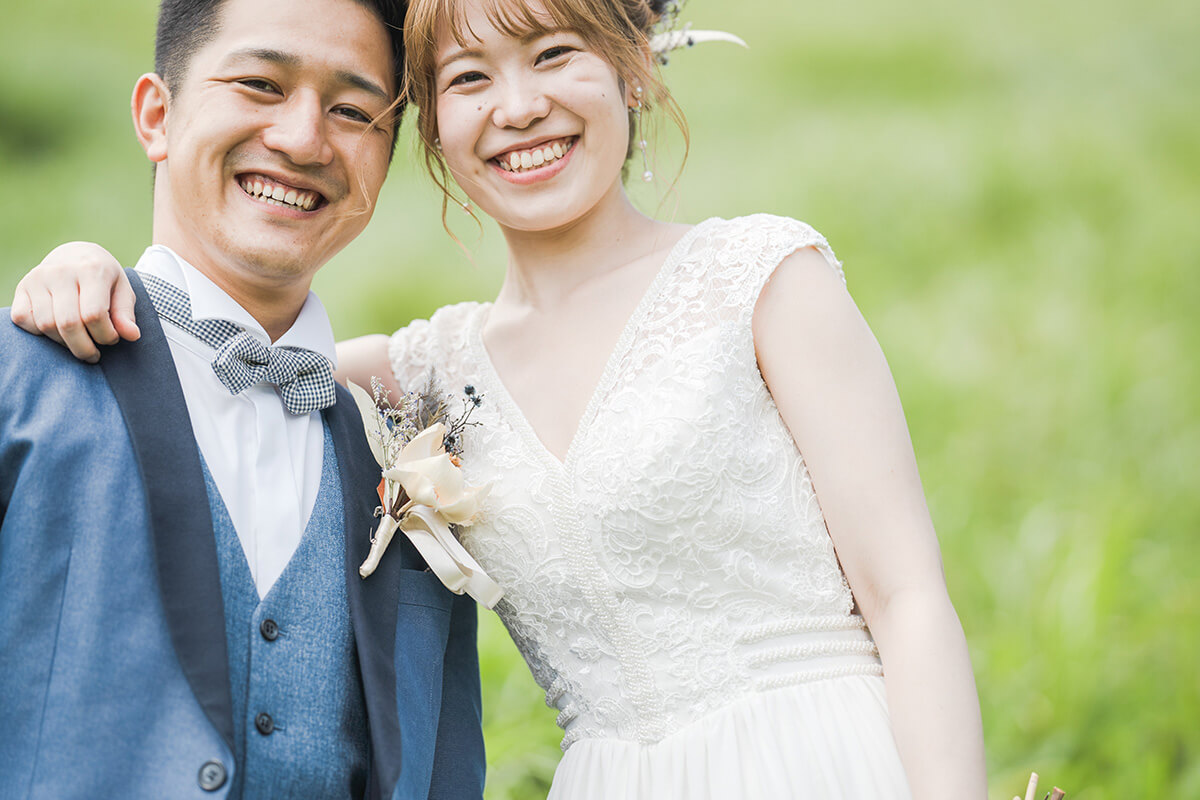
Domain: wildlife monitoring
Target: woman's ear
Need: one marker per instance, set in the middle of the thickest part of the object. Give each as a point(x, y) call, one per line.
point(632, 85)
point(150, 98)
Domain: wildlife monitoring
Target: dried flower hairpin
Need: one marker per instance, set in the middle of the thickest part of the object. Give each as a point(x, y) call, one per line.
point(422, 491)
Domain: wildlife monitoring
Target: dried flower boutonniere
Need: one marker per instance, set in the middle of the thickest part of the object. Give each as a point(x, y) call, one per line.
point(422, 492)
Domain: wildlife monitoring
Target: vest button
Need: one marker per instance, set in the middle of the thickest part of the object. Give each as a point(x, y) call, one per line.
point(264, 723)
point(269, 630)
point(212, 775)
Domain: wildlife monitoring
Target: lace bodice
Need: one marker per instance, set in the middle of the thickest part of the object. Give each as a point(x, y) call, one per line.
point(677, 559)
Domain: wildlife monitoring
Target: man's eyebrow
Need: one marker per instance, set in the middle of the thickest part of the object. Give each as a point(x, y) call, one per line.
point(264, 54)
point(293, 61)
point(366, 84)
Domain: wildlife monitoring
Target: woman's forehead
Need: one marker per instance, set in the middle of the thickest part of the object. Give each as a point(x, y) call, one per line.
point(469, 21)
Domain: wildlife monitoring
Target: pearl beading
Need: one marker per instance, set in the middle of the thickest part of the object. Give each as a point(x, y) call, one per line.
point(781, 681)
point(802, 625)
point(805, 652)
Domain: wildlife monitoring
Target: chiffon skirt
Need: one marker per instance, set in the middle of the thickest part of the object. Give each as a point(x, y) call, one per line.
point(825, 739)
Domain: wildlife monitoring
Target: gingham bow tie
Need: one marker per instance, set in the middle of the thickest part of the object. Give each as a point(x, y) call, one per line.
point(304, 377)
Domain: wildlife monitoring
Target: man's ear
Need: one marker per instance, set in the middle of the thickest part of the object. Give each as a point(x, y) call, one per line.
point(150, 98)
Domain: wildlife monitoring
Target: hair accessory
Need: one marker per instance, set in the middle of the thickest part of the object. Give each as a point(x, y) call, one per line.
point(647, 175)
point(665, 42)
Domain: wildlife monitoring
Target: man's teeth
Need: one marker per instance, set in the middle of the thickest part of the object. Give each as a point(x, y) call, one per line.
point(521, 160)
point(279, 195)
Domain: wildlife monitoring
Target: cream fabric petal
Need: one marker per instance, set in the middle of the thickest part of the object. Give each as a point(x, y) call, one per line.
point(464, 509)
point(432, 481)
point(428, 480)
point(425, 444)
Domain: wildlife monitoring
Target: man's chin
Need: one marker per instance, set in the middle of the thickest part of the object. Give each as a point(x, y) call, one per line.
point(283, 263)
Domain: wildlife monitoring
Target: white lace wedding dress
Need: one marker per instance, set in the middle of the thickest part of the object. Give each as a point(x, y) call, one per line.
point(671, 583)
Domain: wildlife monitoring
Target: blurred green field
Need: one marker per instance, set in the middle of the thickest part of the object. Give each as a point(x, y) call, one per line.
point(1015, 191)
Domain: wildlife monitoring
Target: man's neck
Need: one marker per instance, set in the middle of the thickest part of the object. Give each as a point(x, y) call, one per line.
point(274, 303)
point(275, 306)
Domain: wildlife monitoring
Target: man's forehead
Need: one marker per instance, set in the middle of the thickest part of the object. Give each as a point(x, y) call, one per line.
point(345, 37)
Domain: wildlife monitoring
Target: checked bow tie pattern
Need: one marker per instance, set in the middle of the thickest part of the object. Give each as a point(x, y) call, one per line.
point(304, 378)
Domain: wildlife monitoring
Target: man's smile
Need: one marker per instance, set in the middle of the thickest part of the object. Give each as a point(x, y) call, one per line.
point(275, 192)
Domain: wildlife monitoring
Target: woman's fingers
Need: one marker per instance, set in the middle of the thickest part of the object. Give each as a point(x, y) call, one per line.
point(95, 302)
point(69, 323)
point(22, 311)
point(38, 314)
point(123, 301)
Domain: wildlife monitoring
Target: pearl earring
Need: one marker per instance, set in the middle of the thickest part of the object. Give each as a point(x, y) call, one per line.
point(647, 175)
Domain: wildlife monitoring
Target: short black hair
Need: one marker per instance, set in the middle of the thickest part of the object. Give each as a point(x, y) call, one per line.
point(184, 26)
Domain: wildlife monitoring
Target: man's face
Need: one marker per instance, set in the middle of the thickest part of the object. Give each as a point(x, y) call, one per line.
point(271, 163)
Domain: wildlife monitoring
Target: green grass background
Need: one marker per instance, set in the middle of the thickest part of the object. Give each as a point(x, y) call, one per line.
point(1015, 191)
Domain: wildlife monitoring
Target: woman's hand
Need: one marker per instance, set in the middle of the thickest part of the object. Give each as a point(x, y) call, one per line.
point(78, 296)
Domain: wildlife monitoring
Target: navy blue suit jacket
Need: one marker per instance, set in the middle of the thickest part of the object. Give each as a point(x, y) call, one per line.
point(113, 666)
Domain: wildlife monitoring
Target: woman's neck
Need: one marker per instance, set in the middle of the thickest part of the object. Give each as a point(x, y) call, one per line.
point(544, 267)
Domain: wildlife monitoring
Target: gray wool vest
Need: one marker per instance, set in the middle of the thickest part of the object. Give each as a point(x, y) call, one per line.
point(300, 727)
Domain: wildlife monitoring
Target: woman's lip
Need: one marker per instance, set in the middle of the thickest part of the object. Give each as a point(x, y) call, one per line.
point(540, 144)
point(538, 174)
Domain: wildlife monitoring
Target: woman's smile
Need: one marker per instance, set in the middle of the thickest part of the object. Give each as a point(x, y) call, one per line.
point(525, 165)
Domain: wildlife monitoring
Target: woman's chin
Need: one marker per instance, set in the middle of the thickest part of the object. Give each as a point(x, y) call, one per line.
point(543, 216)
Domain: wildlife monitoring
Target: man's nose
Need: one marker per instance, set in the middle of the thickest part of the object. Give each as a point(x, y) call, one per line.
point(521, 103)
point(299, 130)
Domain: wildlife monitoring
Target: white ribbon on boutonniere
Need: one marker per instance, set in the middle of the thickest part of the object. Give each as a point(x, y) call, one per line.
point(423, 493)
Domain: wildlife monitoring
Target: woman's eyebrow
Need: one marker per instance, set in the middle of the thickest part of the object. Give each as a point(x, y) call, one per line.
point(529, 38)
point(458, 54)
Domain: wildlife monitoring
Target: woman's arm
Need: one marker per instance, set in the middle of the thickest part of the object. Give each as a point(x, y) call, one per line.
point(835, 392)
point(364, 358)
point(78, 296)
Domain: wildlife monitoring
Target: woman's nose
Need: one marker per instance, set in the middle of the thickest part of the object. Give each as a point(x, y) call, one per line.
point(521, 103)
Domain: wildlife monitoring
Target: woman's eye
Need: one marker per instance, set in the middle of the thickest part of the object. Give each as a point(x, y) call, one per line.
point(552, 53)
point(467, 78)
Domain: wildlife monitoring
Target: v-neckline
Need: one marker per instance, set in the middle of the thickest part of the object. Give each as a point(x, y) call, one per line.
point(497, 386)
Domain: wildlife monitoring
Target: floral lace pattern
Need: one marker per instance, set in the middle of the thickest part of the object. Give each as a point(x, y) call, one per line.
point(645, 572)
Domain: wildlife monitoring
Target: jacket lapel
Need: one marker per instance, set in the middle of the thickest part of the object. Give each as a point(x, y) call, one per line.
point(373, 602)
point(144, 381)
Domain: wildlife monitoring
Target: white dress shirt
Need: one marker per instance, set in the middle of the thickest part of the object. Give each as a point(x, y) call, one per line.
point(265, 461)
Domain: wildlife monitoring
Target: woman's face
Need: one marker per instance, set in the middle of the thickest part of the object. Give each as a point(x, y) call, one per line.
point(534, 129)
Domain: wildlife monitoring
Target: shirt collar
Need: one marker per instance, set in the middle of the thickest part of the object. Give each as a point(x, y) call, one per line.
point(311, 330)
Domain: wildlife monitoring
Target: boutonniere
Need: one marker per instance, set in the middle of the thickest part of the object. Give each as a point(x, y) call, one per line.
point(422, 492)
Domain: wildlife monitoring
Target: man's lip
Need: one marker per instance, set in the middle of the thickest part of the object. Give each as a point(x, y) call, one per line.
point(256, 183)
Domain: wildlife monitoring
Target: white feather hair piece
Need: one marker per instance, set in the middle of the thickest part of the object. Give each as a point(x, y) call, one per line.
point(663, 43)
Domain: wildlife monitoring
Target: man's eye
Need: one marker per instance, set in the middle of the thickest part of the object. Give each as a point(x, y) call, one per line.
point(467, 78)
point(259, 84)
point(552, 53)
point(351, 113)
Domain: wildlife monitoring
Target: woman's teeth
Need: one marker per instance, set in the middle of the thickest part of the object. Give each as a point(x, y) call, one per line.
point(277, 194)
point(522, 160)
